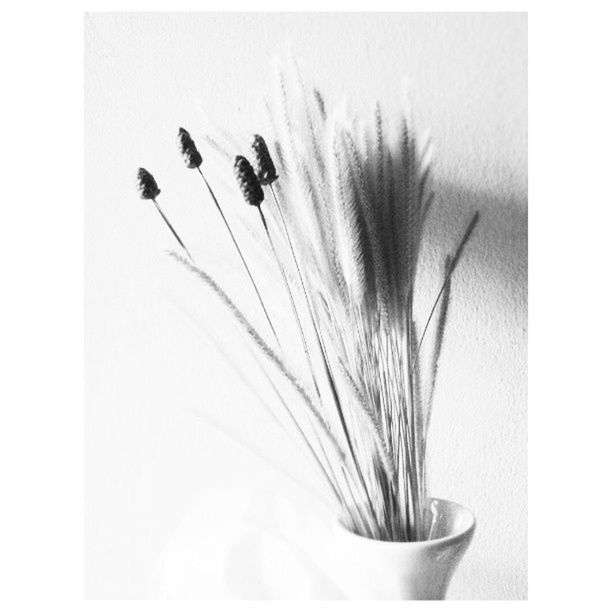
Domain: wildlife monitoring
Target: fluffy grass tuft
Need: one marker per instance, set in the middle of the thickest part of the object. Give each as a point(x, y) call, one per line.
point(350, 201)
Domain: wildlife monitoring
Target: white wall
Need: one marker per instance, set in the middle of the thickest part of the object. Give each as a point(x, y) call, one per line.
point(149, 460)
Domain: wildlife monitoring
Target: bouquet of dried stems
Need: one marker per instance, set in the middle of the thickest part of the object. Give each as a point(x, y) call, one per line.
point(349, 201)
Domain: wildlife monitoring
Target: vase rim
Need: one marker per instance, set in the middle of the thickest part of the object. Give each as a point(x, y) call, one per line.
point(470, 526)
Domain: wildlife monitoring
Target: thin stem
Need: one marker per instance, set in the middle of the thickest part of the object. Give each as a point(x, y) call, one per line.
point(366, 527)
point(437, 350)
point(178, 239)
point(451, 268)
point(262, 345)
point(324, 356)
point(247, 382)
point(295, 261)
point(327, 476)
point(244, 263)
point(325, 359)
point(293, 306)
point(345, 431)
point(410, 438)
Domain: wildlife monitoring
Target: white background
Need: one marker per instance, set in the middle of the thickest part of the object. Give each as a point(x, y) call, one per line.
point(149, 458)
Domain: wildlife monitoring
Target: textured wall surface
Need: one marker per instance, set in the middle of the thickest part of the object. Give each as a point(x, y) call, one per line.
point(149, 458)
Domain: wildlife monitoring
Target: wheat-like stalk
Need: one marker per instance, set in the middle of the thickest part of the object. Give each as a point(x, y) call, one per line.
point(351, 201)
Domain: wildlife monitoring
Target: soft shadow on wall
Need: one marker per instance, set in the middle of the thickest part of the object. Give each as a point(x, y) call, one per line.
point(478, 439)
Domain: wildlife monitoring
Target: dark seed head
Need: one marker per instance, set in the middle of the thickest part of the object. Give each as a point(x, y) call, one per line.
point(264, 166)
point(188, 150)
point(146, 185)
point(247, 181)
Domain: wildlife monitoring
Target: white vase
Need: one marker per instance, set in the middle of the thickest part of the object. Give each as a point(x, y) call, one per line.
point(374, 569)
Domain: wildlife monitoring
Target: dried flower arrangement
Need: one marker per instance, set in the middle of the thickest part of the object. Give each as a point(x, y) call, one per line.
point(350, 203)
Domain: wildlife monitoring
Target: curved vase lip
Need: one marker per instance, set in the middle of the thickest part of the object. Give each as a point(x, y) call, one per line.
point(459, 513)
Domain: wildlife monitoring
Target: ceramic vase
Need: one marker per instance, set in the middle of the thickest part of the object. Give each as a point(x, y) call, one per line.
point(374, 570)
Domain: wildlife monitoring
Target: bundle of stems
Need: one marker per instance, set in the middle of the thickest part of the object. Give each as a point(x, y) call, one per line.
point(351, 202)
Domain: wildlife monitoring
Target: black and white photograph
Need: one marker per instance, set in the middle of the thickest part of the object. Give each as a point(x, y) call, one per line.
point(305, 306)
